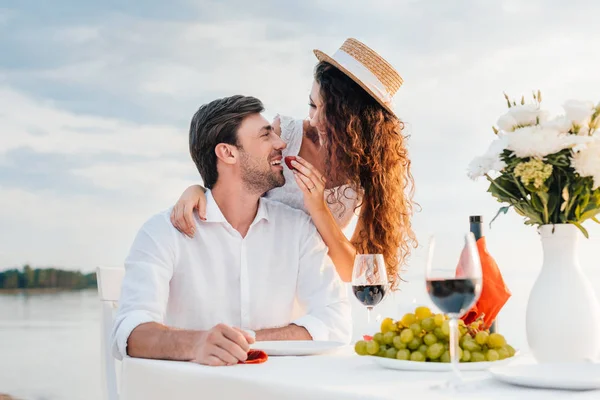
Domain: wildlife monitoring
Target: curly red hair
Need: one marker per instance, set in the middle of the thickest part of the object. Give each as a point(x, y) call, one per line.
point(367, 150)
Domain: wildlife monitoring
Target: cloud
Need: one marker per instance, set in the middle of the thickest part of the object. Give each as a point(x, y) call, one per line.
point(96, 98)
point(75, 188)
point(81, 134)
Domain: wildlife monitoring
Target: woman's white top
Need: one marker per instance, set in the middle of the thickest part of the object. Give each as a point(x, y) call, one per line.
point(291, 194)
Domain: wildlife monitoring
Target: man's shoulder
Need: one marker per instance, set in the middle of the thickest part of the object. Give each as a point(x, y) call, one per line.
point(161, 221)
point(278, 209)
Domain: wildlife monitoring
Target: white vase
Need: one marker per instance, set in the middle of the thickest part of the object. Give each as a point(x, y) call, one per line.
point(563, 314)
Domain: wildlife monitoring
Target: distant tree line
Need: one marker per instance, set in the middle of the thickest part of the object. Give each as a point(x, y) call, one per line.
point(29, 278)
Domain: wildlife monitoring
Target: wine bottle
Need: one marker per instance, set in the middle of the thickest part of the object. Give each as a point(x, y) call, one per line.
point(476, 228)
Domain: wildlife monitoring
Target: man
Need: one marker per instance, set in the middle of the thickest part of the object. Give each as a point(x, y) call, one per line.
point(249, 262)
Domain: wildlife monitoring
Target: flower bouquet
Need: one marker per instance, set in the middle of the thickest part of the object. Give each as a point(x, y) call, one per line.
point(547, 170)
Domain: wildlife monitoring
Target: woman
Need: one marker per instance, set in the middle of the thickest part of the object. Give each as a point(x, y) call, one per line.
point(350, 158)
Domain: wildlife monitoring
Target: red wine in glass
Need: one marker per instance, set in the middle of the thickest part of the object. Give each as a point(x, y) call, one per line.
point(453, 296)
point(369, 280)
point(453, 282)
point(369, 295)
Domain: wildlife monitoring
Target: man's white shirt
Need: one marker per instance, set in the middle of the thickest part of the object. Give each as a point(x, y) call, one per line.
point(219, 277)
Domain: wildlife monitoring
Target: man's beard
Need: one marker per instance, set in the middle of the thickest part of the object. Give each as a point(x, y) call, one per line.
point(258, 179)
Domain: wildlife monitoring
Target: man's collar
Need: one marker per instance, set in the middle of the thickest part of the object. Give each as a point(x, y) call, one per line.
point(263, 210)
point(214, 214)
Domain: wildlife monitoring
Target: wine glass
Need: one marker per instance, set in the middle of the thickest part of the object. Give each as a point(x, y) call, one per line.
point(453, 278)
point(369, 280)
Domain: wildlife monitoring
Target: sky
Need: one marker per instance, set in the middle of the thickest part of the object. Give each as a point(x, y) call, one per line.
point(96, 100)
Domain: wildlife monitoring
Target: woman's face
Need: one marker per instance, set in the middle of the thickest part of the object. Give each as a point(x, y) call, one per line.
point(315, 111)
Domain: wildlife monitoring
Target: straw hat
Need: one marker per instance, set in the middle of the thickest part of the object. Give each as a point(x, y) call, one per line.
point(367, 68)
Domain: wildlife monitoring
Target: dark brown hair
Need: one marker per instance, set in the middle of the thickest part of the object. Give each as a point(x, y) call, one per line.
point(214, 123)
point(366, 149)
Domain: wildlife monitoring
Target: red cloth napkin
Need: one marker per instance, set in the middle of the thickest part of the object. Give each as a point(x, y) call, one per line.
point(494, 293)
point(255, 357)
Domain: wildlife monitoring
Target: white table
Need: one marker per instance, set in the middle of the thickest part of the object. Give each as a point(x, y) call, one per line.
point(340, 375)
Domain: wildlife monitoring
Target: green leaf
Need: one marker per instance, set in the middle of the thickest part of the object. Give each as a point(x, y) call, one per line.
point(585, 199)
point(579, 188)
point(520, 211)
point(534, 215)
point(544, 198)
point(591, 214)
point(536, 203)
point(502, 210)
point(595, 220)
point(519, 186)
point(553, 202)
point(501, 189)
point(582, 229)
point(560, 159)
point(524, 209)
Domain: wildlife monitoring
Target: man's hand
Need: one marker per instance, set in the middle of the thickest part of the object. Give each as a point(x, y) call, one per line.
point(222, 345)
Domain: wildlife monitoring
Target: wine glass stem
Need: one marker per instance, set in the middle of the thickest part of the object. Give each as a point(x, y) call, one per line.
point(454, 356)
point(369, 315)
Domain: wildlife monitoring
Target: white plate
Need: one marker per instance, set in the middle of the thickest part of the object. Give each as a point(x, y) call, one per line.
point(573, 376)
point(405, 365)
point(296, 347)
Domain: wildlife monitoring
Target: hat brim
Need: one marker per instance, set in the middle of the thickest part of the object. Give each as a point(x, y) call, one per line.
point(324, 57)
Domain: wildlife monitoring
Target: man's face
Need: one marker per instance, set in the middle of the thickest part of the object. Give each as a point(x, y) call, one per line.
point(260, 154)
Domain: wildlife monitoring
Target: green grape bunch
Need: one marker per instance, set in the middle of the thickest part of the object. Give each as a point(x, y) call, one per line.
point(423, 336)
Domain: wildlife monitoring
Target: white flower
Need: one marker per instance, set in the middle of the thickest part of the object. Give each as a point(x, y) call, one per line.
point(586, 160)
point(490, 161)
point(560, 123)
point(579, 112)
point(497, 146)
point(483, 165)
point(521, 115)
point(540, 141)
point(507, 122)
point(584, 130)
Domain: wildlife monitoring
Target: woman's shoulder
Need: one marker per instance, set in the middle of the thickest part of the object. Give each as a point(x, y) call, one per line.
point(344, 203)
point(291, 132)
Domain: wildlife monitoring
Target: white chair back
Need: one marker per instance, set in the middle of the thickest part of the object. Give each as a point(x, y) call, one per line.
point(109, 290)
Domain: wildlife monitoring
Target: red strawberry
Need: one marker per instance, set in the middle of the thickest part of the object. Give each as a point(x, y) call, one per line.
point(367, 338)
point(288, 161)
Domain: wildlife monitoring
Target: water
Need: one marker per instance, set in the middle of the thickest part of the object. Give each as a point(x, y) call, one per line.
point(50, 343)
point(50, 346)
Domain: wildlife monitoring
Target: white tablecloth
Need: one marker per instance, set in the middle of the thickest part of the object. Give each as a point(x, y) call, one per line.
point(340, 375)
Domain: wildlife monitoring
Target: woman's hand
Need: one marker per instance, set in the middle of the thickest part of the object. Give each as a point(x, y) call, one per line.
point(312, 184)
point(182, 215)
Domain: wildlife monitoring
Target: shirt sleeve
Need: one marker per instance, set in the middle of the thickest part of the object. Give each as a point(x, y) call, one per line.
point(145, 289)
point(321, 292)
point(291, 132)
